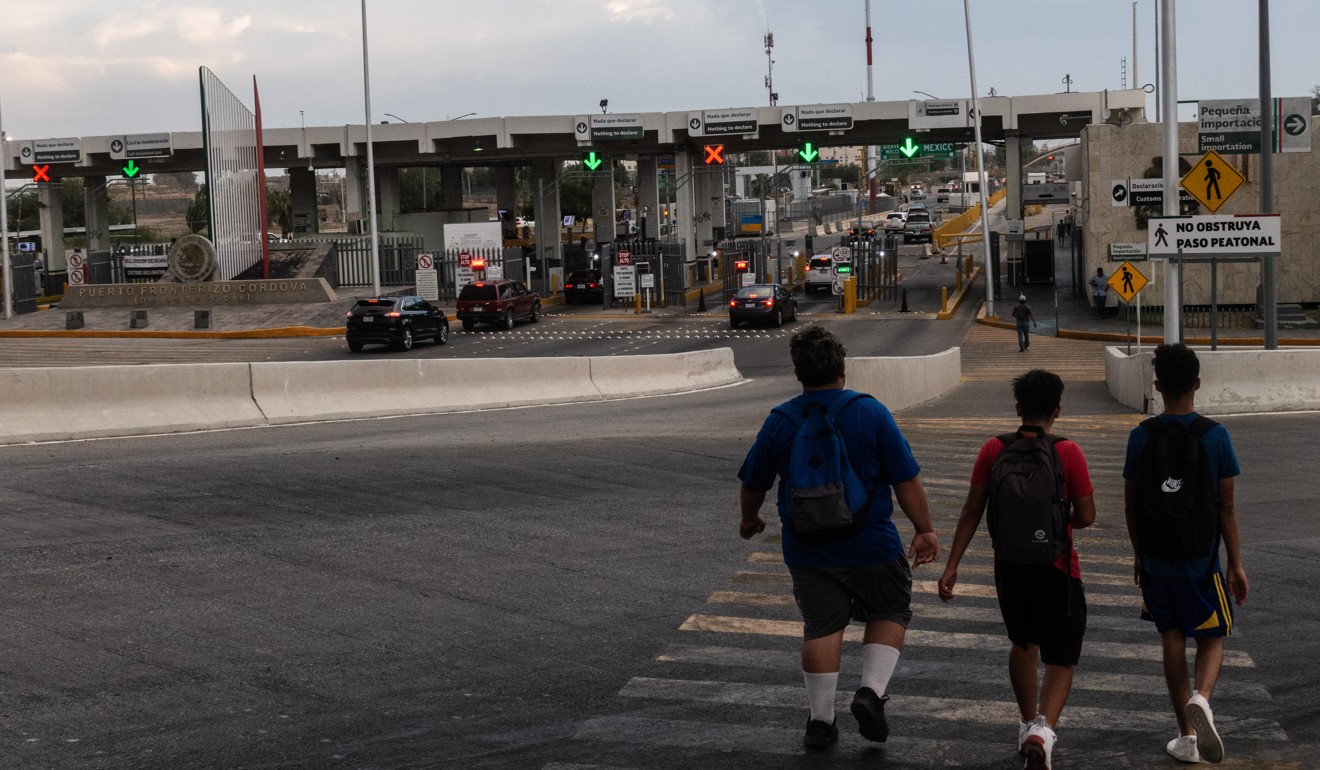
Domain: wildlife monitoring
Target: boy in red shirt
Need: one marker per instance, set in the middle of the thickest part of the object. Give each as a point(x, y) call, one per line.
point(1043, 605)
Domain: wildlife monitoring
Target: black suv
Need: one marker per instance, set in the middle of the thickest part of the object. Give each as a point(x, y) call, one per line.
point(583, 286)
point(395, 321)
point(499, 302)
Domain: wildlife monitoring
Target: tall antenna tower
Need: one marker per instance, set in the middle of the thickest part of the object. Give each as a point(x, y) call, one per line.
point(770, 68)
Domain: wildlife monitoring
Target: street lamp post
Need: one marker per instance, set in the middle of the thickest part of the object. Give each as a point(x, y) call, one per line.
point(371, 160)
point(4, 226)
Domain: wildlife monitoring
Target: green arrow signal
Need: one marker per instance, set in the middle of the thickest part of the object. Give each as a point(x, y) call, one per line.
point(908, 148)
point(131, 170)
point(808, 153)
point(592, 162)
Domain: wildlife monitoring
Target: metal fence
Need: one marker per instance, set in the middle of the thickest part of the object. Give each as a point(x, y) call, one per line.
point(667, 260)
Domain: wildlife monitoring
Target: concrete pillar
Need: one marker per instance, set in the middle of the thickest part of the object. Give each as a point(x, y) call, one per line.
point(387, 198)
point(302, 197)
point(603, 204)
point(96, 204)
point(545, 197)
point(450, 195)
point(709, 204)
point(1013, 248)
point(685, 201)
point(355, 194)
point(648, 194)
point(52, 226)
point(506, 196)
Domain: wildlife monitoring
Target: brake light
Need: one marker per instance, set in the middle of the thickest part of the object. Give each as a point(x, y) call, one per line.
point(349, 314)
point(591, 285)
point(392, 314)
point(769, 303)
point(733, 303)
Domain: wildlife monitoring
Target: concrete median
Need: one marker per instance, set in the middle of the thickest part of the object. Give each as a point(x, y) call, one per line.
point(103, 401)
point(623, 376)
point(328, 390)
point(94, 401)
point(1232, 381)
point(903, 381)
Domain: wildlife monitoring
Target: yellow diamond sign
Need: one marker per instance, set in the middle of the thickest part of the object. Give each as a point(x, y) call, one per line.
point(1127, 280)
point(1212, 181)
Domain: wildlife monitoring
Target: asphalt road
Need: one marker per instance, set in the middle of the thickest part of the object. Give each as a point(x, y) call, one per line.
point(563, 587)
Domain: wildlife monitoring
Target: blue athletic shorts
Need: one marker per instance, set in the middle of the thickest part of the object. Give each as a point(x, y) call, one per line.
point(1196, 606)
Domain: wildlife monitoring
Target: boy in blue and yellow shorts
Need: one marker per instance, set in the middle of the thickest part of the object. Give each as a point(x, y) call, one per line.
point(1186, 596)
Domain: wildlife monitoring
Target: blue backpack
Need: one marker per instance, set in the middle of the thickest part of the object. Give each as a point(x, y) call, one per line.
point(830, 503)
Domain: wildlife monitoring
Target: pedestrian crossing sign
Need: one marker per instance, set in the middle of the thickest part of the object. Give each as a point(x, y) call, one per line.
point(1127, 280)
point(1212, 181)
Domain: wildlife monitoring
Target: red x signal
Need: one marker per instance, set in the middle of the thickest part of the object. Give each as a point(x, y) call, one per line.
point(714, 155)
point(39, 173)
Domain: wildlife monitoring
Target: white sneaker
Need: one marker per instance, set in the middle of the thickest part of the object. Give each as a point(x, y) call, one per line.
point(1023, 729)
point(1183, 749)
point(1039, 746)
point(1203, 721)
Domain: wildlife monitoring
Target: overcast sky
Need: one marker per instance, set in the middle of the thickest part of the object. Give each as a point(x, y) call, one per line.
point(92, 67)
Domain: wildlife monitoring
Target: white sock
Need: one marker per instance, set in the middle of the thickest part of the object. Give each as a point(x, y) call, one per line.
point(878, 663)
point(820, 695)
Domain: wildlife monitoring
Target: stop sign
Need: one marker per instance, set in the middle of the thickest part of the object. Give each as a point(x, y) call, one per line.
point(623, 258)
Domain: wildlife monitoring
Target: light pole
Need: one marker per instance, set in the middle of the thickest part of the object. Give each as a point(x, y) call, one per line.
point(4, 225)
point(464, 115)
point(371, 160)
point(982, 177)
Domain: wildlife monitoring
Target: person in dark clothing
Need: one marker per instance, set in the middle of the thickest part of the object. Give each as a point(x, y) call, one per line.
point(1023, 315)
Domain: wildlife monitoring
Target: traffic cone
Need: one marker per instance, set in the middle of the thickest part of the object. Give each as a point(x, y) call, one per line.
point(701, 300)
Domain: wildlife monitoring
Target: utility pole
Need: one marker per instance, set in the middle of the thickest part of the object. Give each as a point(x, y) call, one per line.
point(770, 68)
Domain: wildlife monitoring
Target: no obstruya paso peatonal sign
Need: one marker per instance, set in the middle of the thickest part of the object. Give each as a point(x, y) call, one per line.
point(1215, 235)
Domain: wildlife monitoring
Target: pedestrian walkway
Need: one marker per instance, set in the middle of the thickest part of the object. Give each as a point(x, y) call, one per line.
point(726, 691)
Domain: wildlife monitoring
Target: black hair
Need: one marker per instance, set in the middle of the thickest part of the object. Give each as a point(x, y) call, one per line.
point(1038, 392)
point(1177, 368)
point(817, 356)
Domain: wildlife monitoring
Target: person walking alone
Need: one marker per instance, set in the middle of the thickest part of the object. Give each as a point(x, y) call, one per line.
point(1022, 315)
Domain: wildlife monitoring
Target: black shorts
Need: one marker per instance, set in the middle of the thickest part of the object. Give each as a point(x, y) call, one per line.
point(828, 597)
point(1042, 605)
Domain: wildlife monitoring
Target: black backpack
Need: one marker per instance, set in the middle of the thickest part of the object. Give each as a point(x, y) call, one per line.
point(1026, 515)
point(1177, 499)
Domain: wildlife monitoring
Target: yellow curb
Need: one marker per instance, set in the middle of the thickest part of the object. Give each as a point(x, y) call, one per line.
point(958, 297)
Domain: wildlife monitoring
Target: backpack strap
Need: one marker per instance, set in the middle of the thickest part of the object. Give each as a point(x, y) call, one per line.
point(1201, 425)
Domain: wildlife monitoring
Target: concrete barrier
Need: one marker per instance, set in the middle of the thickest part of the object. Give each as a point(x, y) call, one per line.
point(328, 390)
point(92, 401)
point(903, 381)
point(1129, 377)
point(100, 401)
point(1232, 381)
point(621, 376)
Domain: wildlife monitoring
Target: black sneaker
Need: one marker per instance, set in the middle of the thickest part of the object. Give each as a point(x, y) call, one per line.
point(820, 735)
point(869, 709)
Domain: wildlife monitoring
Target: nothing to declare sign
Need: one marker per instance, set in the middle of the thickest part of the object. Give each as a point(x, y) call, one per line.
point(721, 122)
point(1214, 235)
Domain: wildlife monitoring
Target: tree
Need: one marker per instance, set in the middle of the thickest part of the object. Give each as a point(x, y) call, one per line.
point(199, 212)
point(1315, 100)
point(279, 209)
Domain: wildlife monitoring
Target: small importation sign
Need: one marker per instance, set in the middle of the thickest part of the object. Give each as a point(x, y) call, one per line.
point(1214, 235)
point(1212, 181)
point(425, 261)
point(647, 280)
point(1127, 280)
point(841, 253)
point(1126, 251)
point(77, 269)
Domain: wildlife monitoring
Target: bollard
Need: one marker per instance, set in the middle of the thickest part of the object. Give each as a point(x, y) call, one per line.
point(904, 309)
point(201, 319)
point(969, 264)
point(73, 319)
point(137, 319)
point(958, 278)
point(944, 299)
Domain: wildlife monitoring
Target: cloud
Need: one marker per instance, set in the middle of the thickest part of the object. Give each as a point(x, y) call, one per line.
point(639, 10)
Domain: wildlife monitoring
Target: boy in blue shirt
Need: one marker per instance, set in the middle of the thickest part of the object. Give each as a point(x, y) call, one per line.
point(1186, 597)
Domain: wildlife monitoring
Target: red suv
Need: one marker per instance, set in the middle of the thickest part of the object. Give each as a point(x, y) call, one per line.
point(497, 302)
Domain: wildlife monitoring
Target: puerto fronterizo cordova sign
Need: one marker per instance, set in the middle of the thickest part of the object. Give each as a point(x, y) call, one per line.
point(256, 292)
point(1214, 235)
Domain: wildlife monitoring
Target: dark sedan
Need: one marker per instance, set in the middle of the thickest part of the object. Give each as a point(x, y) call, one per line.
point(395, 321)
point(583, 286)
point(762, 303)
